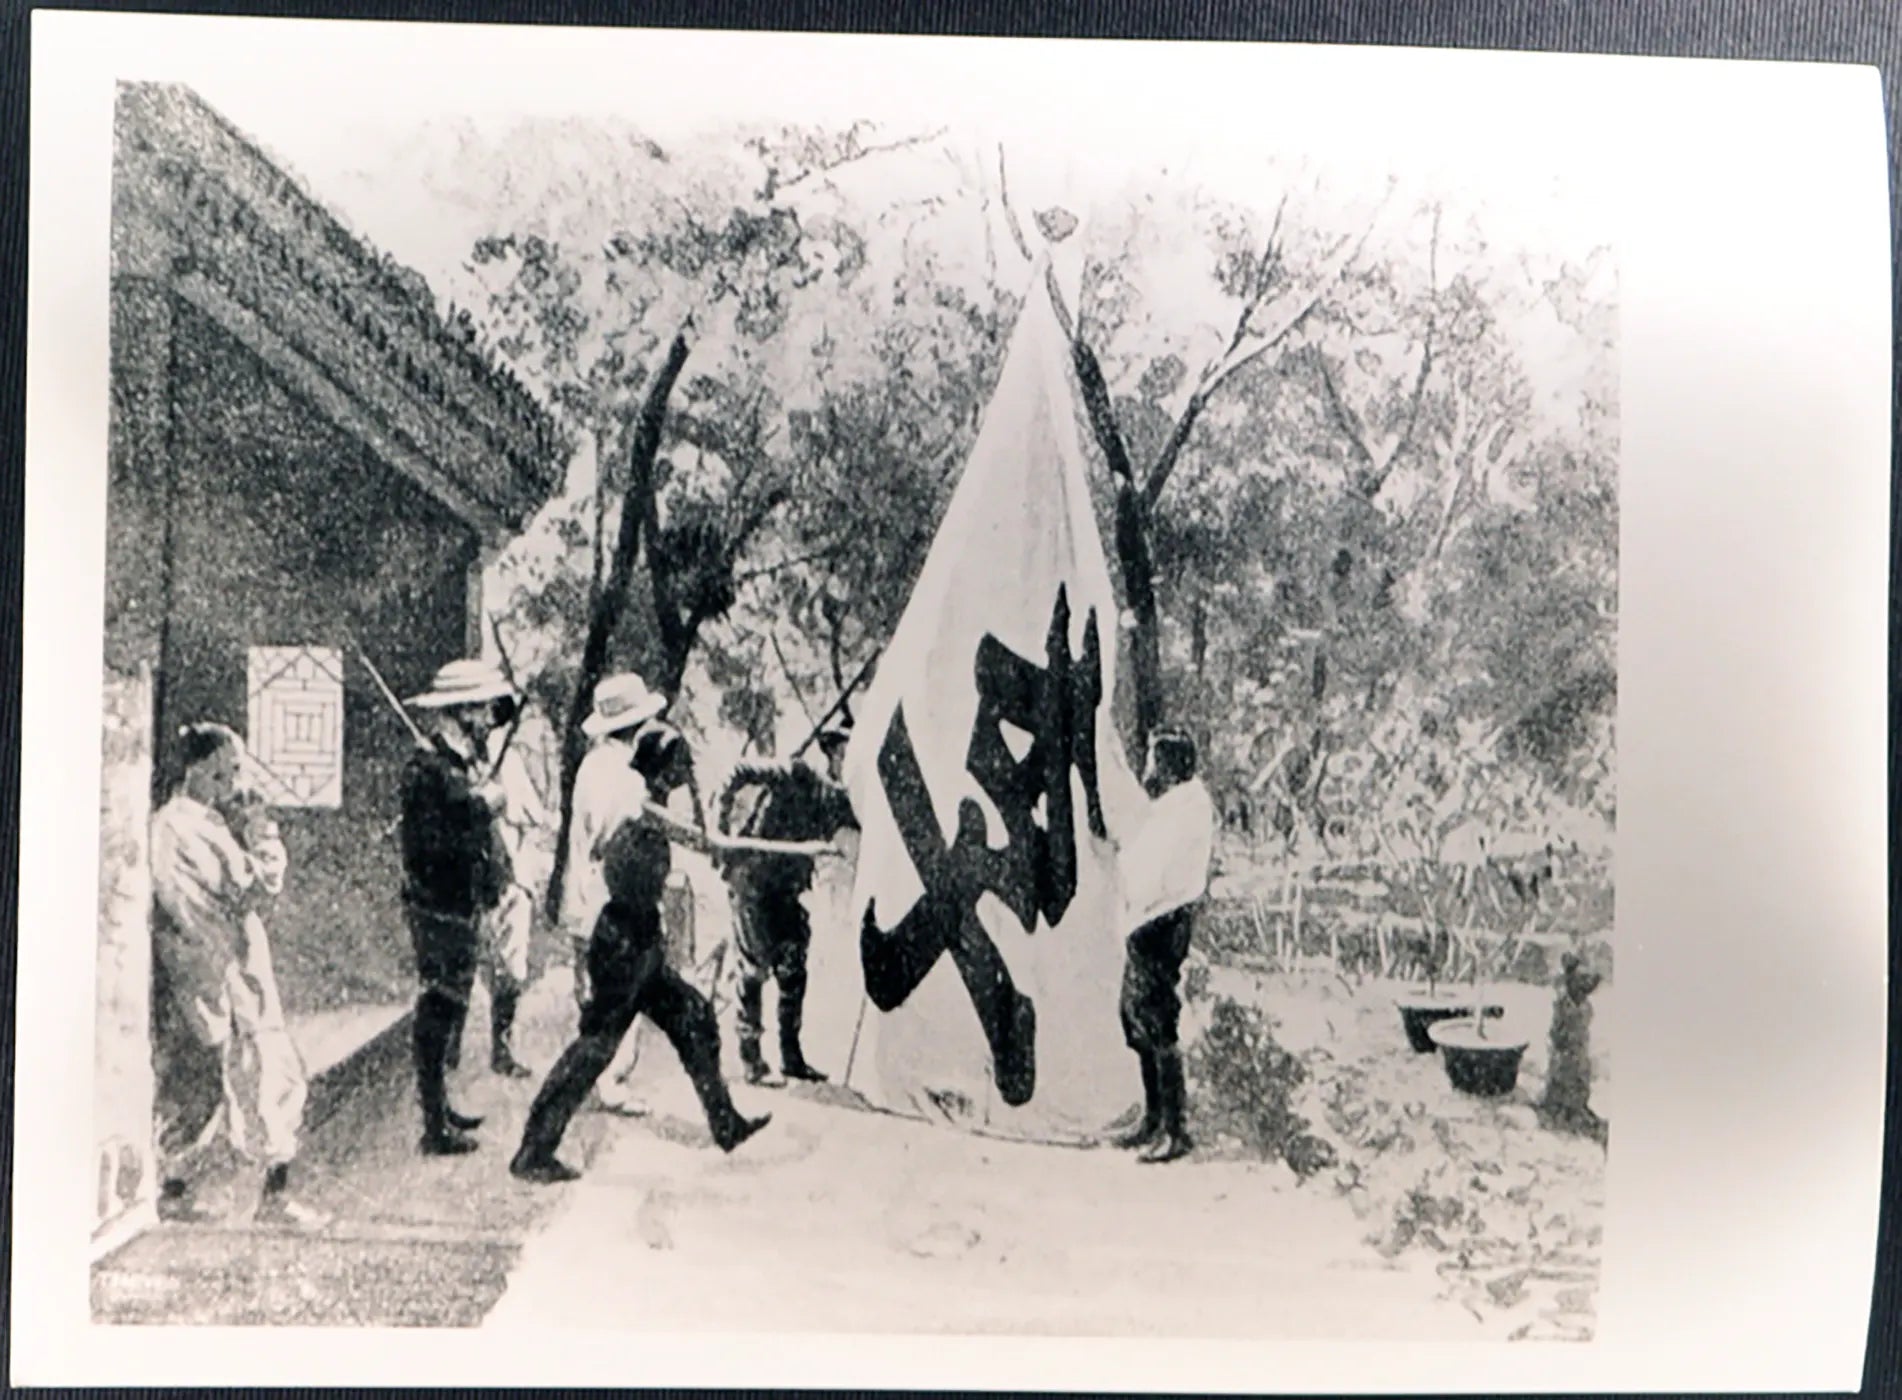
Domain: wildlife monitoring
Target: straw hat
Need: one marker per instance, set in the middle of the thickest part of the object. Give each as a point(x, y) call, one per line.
point(621, 702)
point(467, 682)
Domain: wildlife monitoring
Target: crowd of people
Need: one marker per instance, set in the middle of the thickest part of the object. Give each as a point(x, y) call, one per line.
point(229, 1074)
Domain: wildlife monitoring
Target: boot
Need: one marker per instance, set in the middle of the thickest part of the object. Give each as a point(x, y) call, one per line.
point(1174, 1141)
point(544, 1169)
point(695, 1036)
point(1145, 1131)
point(735, 1129)
point(501, 1021)
point(792, 1058)
point(749, 1019)
point(277, 1208)
point(757, 1070)
point(443, 1128)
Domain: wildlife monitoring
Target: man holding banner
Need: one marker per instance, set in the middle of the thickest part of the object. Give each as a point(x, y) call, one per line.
point(1165, 874)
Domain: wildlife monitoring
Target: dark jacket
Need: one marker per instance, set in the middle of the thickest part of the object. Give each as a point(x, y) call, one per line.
point(794, 803)
point(454, 861)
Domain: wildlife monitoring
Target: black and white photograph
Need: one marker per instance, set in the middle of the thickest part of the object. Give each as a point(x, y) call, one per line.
point(847, 692)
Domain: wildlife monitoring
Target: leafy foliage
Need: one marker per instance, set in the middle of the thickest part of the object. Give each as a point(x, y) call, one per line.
point(1245, 1085)
point(1386, 534)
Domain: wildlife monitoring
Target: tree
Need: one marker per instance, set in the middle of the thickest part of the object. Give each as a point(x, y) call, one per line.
point(723, 248)
point(1272, 292)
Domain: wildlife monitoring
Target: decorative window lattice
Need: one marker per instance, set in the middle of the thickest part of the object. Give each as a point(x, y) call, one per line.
point(296, 724)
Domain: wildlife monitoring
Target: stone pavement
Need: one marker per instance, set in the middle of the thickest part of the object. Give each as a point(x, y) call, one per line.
point(413, 1241)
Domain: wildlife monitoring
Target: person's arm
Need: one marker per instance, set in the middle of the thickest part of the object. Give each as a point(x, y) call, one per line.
point(679, 832)
point(709, 843)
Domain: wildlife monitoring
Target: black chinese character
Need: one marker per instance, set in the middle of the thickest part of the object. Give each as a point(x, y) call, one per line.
point(1033, 874)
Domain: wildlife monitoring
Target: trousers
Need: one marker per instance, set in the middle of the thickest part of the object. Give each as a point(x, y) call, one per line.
point(447, 948)
point(1150, 1006)
point(628, 976)
point(775, 936)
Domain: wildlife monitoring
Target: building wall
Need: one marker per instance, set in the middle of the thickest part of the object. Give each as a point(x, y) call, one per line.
point(288, 533)
point(253, 506)
point(122, 1069)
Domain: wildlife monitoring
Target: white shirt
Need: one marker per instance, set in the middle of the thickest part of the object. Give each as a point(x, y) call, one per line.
point(607, 792)
point(519, 806)
point(1165, 861)
point(200, 877)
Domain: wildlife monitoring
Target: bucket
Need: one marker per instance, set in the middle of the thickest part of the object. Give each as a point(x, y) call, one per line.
point(1421, 1010)
point(1485, 1068)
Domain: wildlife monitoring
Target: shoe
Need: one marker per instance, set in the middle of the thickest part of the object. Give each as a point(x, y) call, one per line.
point(739, 1130)
point(508, 1066)
point(182, 1206)
point(543, 1171)
point(799, 1069)
point(446, 1142)
point(762, 1076)
point(1141, 1135)
point(1168, 1148)
point(281, 1210)
point(466, 1122)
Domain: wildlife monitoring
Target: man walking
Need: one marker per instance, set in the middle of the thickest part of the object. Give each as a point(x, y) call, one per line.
point(456, 870)
point(1165, 871)
point(607, 792)
point(629, 974)
point(786, 802)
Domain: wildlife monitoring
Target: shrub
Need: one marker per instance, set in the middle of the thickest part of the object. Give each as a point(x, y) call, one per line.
point(1245, 1084)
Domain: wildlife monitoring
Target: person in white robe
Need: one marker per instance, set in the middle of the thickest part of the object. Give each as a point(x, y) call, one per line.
point(230, 1077)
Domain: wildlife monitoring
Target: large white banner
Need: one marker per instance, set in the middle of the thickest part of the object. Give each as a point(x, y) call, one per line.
point(992, 788)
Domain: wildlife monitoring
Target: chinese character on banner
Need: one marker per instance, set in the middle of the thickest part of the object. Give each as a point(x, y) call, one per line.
point(1034, 872)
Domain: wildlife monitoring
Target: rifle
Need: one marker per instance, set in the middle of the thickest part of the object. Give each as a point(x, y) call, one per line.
point(521, 700)
point(839, 704)
point(388, 694)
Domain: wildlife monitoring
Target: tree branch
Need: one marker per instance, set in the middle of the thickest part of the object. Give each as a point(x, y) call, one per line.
point(1225, 366)
point(772, 635)
point(756, 517)
point(780, 566)
point(856, 152)
point(1101, 413)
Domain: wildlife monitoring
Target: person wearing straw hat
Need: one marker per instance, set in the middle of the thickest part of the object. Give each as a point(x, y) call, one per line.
point(456, 869)
point(629, 972)
point(793, 802)
point(607, 792)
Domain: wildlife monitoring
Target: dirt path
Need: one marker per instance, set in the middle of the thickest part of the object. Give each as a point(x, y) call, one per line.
point(839, 1219)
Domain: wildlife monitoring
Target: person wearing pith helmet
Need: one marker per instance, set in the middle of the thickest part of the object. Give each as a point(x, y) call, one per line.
point(607, 792)
point(456, 869)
